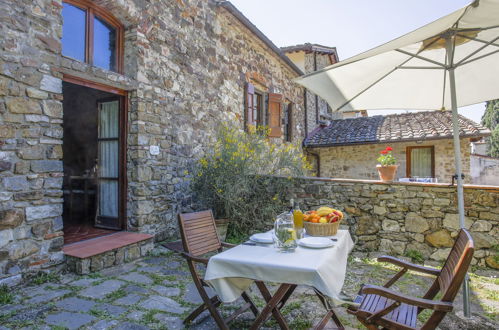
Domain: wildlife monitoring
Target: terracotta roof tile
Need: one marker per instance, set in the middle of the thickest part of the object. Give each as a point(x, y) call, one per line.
point(426, 125)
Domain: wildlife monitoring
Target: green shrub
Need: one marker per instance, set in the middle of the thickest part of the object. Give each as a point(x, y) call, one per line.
point(238, 179)
point(42, 277)
point(5, 296)
point(415, 256)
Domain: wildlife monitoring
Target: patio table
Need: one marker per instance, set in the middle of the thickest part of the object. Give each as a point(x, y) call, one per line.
point(233, 271)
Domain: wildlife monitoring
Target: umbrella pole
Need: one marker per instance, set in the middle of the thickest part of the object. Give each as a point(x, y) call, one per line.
point(457, 158)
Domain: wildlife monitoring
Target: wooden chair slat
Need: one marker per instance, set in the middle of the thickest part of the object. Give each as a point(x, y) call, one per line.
point(205, 246)
point(382, 302)
point(204, 249)
point(207, 231)
point(195, 236)
point(200, 225)
point(197, 224)
point(414, 318)
point(374, 301)
point(196, 215)
point(393, 315)
point(194, 221)
point(203, 243)
point(366, 302)
point(200, 243)
point(401, 316)
point(202, 236)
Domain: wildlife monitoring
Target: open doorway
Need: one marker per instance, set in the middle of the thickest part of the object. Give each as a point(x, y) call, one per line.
point(92, 149)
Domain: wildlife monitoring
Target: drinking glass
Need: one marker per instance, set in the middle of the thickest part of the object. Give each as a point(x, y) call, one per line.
point(298, 222)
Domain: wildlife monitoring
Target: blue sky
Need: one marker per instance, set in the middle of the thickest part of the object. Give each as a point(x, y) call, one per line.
point(352, 26)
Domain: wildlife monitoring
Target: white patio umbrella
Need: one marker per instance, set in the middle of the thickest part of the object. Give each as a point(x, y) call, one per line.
point(451, 62)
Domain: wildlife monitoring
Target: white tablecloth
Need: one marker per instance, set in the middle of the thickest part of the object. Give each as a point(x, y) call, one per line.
point(233, 271)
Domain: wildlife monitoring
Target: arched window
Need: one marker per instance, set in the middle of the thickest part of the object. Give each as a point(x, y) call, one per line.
point(91, 35)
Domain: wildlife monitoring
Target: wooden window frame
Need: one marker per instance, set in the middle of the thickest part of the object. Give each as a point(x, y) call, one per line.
point(123, 133)
point(409, 155)
point(249, 93)
point(92, 10)
point(260, 107)
point(288, 125)
point(257, 109)
point(277, 99)
point(95, 85)
point(256, 100)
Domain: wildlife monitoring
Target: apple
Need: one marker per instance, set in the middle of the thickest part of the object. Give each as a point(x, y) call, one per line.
point(338, 213)
point(334, 218)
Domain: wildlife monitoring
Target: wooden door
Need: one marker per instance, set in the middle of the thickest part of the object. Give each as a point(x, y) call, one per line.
point(109, 188)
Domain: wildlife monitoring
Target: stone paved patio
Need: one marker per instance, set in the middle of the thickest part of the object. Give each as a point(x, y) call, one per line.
point(156, 293)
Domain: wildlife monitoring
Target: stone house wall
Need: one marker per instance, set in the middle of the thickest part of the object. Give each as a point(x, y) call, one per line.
point(186, 65)
point(202, 66)
point(322, 60)
point(359, 161)
point(395, 218)
point(30, 137)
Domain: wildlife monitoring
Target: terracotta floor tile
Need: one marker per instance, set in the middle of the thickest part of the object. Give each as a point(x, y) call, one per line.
point(79, 232)
point(103, 244)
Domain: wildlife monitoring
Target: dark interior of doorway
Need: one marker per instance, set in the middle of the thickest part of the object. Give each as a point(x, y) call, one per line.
point(80, 151)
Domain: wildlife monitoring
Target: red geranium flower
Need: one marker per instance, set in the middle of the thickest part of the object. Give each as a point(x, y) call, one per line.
point(384, 152)
point(389, 148)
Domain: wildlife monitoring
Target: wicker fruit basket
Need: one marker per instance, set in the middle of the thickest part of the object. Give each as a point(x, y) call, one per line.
point(322, 229)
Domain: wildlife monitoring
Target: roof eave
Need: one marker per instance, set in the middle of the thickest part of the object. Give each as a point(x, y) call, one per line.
point(328, 145)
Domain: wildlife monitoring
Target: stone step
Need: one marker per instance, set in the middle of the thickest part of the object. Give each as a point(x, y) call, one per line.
point(98, 253)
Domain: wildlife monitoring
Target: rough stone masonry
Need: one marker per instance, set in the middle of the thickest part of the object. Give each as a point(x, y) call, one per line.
point(186, 63)
point(407, 218)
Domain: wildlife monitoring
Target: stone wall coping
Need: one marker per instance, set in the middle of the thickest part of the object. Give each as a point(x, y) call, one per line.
point(484, 156)
point(397, 183)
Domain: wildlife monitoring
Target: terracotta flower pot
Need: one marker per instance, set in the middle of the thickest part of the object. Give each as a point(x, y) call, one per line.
point(387, 172)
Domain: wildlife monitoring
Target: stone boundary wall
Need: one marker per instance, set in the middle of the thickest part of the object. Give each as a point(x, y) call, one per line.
point(484, 170)
point(396, 218)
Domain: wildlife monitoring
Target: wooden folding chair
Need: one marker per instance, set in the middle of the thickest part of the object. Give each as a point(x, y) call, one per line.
point(381, 306)
point(199, 237)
